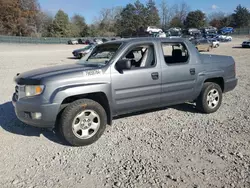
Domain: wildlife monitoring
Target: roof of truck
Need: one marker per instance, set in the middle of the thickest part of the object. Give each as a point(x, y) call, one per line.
point(148, 39)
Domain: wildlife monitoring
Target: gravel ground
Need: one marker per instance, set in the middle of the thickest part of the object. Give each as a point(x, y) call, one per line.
point(172, 147)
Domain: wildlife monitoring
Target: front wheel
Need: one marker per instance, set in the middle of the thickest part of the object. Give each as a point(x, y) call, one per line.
point(80, 56)
point(210, 98)
point(83, 122)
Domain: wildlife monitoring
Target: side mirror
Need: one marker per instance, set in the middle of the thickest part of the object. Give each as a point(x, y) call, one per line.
point(123, 64)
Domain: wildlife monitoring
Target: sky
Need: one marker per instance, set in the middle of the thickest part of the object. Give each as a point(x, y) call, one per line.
point(90, 8)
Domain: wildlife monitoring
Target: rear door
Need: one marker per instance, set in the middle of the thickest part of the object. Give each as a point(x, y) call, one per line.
point(140, 87)
point(178, 73)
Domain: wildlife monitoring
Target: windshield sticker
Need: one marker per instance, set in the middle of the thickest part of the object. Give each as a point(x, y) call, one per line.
point(92, 72)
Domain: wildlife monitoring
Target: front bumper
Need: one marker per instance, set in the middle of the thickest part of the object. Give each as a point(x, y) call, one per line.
point(229, 85)
point(23, 108)
point(75, 54)
point(245, 46)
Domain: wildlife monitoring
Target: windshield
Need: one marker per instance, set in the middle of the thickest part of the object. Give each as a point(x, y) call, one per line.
point(87, 47)
point(101, 54)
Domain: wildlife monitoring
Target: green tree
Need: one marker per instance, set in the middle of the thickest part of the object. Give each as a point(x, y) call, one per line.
point(216, 23)
point(107, 20)
point(164, 12)
point(61, 25)
point(135, 18)
point(78, 26)
point(127, 24)
point(241, 16)
point(176, 22)
point(152, 14)
point(93, 30)
point(140, 16)
point(45, 21)
point(195, 19)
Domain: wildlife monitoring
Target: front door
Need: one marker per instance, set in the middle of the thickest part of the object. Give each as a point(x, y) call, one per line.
point(138, 88)
point(178, 74)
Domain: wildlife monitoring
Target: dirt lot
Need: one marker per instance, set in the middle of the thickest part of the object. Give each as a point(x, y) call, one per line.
point(173, 147)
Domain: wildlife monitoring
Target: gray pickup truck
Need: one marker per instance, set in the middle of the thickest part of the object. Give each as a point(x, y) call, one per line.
point(121, 77)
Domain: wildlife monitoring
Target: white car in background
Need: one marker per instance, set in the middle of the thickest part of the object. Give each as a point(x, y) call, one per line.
point(176, 29)
point(224, 38)
point(215, 43)
point(73, 41)
point(98, 41)
point(161, 35)
point(153, 29)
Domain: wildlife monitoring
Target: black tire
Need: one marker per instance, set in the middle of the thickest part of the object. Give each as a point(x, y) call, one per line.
point(202, 103)
point(68, 116)
point(80, 56)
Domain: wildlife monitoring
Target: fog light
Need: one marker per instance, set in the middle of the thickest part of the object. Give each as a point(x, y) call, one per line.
point(36, 115)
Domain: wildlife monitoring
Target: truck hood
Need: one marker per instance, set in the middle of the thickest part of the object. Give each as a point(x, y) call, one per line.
point(35, 76)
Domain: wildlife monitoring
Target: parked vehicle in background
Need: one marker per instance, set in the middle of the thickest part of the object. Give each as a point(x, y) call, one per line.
point(214, 42)
point(89, 42)
point(224, 38)
point(73, 41)
point(210, 36)
point(174, 33)
point(98, 41)
point(104, 40)
point(79, 53)
point(153, 29)
point(209, 30)
point(194, 31)
point(176, 29)
point(246, 44)
point(81, 99)
point(218, 37)
point(203, 45)
point(161, 35)
point(81, 41)
point(226, 30)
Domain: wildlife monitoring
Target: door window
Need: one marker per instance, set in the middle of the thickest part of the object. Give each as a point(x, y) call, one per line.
point(141, 56)
point(175, 53)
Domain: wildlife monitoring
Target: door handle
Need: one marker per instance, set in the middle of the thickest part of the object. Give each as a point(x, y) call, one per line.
point(155, 75)
point(192, 71)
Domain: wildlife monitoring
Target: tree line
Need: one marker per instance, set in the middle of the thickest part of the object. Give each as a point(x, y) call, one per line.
point(25, 18)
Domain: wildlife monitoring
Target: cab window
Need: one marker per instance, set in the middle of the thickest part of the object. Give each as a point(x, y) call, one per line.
point(175, 53)
point(141, 56)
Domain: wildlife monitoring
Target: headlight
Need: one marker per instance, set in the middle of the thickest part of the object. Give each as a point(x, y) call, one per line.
point(33, 90)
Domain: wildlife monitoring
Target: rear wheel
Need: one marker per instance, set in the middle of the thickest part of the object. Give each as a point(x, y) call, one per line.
point(83, 122)
point(210, 98)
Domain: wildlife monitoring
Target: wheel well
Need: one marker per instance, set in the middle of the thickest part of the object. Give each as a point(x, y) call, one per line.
point(99, 97)
point(219, 81)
